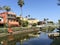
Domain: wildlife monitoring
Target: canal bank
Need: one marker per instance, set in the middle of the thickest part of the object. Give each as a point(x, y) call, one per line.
point(24, 31)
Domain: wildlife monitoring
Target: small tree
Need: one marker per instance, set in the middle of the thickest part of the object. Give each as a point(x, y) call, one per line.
point(7, 8)
point(25, 23)
point(34, 24)
point(51, 22)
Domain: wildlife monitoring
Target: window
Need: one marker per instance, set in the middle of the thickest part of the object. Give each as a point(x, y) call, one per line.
point(0, 19)
point(8, 14)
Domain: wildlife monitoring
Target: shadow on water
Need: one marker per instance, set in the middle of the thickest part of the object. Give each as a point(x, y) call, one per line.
point(56, 41)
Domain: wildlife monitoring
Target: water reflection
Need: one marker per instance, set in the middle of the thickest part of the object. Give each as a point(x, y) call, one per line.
point(56, 41)
point(30, 39)
point(42, 40)
point(15, 39)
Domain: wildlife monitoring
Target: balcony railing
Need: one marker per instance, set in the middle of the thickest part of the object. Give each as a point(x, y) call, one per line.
point(11, 17)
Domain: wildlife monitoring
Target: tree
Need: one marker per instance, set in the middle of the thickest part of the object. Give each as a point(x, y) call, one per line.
point(25, 23)
point(21, 3)
point(58, 3)
point(28, 15)
point(34, 24)
point(21, 22)
point(51, 22)
point(7, 8)
point(46, 19)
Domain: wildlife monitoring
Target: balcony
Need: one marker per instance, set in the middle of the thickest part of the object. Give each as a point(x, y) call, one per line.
point(11, 17)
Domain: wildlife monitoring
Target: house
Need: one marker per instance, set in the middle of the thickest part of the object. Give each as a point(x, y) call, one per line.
point(8, 18)
point(32, 21)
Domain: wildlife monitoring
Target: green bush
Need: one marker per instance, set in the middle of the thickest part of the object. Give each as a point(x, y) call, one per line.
point(25, 23)
point(34, 24)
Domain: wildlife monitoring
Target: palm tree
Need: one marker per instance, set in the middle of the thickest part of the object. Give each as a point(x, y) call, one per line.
point(7, 8)
point(21, 3)
point(46, 19)
point(58, 3)
point(28, 16)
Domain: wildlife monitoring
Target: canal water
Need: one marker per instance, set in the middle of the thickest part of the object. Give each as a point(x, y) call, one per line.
point(41, 39)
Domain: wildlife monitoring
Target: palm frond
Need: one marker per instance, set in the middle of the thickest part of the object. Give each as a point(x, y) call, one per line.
point(21, 3)
point(7, 8)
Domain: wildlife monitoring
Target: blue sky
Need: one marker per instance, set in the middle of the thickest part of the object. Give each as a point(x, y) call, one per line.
point(39, 9)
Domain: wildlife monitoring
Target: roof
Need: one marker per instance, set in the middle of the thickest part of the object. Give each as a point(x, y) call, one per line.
point(11, 13)
point(31, 19)
point(8, 13)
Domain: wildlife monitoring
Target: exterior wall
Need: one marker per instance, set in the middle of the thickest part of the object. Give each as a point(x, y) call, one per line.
point(3, 16)
point(24, 19)
point(32, 21)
